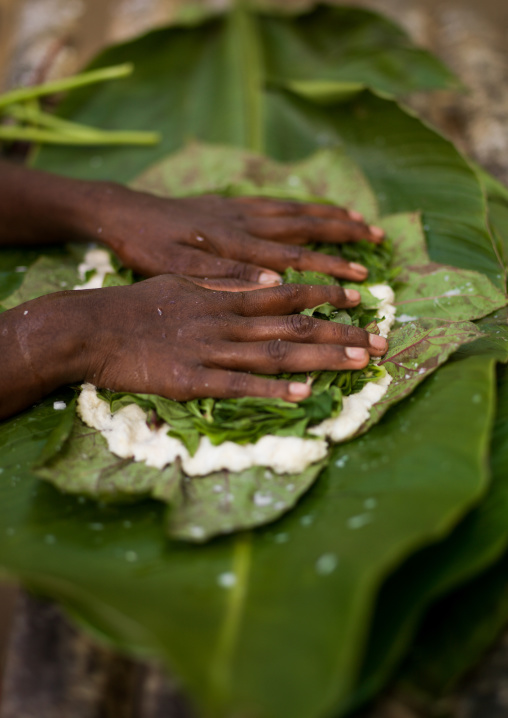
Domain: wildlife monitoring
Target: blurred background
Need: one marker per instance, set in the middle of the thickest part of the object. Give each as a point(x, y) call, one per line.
point(46, 39)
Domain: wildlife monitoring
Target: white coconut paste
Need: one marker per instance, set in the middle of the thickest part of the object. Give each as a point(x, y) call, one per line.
point(386, 307)
point(129, 436)
point(98, 261)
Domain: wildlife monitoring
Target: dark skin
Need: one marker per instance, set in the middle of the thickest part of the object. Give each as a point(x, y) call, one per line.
point(167, 335)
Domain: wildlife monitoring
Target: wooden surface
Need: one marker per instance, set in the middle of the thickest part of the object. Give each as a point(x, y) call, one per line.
point(53, 670)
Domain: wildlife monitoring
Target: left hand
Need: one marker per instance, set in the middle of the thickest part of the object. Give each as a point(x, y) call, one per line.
point(226, 243)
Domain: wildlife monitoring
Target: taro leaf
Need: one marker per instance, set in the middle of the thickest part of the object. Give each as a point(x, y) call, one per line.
point(306, 588)
point(474, 545)
point(326, 175)
point(13, 265)
point(494, 339)
point(49, 273)
point(224, 502)
point(408, 238)
point(426, 289)
point(200, 508)
point(416, 350)
point(434, 290)
point(85, 466)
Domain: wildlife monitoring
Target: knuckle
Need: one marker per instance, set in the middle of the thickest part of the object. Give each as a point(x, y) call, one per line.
point(294, 254)
point(182, 384)
point(237, 384)
point(301, 325)
point(277, 350)
point(352, 334)
point(238, 270)
point(289, 292)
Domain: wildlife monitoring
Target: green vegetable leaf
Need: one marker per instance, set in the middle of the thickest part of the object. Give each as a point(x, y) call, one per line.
point(329, 52)
point(416, 350)
point(229, 62)
point(223, 502)
point(433, 290)
point(76, 459)
point(51, 272)
point(476, 543)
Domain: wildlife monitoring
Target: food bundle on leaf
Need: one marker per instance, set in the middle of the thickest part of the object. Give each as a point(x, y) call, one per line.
point(310, 614)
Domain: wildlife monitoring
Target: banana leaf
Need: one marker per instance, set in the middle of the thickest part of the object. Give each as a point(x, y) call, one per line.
point(460, 628)
point(217, 75)
point(219, 64)
point(305, 587)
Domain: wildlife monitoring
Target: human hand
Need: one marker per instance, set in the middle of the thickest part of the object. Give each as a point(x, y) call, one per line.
point(170, 337)
point(226, 243)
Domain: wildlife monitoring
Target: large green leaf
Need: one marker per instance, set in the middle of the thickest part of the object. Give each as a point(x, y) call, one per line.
point(333, 48)
point(326, 175)
point(214, 78)
point(304, 588)
point(85, 465)
point(475, 544)
point(461, 627)
point(409, 166)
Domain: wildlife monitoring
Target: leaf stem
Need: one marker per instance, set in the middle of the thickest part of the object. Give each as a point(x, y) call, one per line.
point(221, 665)
point(23, 94)
point(92, 137)
point(246, 54)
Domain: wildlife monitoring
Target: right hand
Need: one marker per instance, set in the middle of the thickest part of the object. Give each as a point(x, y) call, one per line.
point(170, 337)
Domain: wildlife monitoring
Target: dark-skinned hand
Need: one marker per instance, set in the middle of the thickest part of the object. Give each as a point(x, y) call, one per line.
point(219, 242)
point(227, 243)
point(170, 337)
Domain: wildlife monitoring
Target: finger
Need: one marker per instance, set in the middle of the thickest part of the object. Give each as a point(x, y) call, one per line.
point(231, 384)
point(277, 356)
point(231, 285)
point(205, 266)
point(290, 208)
point(304, 229)
point(281, 256)
point(308, 330)
point(290, 298)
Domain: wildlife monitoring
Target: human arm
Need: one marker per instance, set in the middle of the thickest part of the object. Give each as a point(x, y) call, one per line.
point(170, 337)
point(219, 242)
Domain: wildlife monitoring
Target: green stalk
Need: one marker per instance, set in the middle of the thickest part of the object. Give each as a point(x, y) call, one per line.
point(94, 137)
point(37, 117)
point(69, 83)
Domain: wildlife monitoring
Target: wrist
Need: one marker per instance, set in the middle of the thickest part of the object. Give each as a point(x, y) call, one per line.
point(44, 344)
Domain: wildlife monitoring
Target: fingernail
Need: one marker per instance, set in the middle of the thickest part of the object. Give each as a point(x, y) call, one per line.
point(377, 342)
point(356, 216)
point(352, 295)
point(358, 268)
point(376, 231)
point(298, 390)
point(269, 278)
point(355, 353)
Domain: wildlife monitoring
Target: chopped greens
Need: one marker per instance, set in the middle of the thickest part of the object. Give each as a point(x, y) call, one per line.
point(247, 419)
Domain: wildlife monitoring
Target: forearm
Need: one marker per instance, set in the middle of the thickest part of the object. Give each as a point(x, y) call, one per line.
point(38, 208)
point(43, 345)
